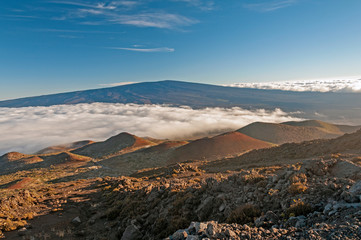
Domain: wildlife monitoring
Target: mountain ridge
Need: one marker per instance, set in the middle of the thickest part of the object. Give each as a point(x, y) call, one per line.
point(312, 105)
point(112, 145)
point(279, 133)
point(227, 144)
point(349, 142)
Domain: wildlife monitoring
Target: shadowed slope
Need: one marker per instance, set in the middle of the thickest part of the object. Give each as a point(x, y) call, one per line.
point(64, 147)
point(113, 145)
point(69, 157)
point(12, 162)
point(228, 144)
point(289, 151)
point(149, 157)
point(165, 146)
point(280, 133)
point(14, 156)
point(328, 127)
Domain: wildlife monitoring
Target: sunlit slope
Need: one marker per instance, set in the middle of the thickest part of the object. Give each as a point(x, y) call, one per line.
point(285, 153)
point(113, 145)
point(225, 145)
point(64, 147)
point(280, 133)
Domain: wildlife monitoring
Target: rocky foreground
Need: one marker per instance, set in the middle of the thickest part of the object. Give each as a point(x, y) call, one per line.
point(310, 200)
point(314, 199)
point(312, 195)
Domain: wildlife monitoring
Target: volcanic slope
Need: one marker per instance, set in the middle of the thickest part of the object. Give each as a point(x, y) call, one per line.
point(347, 144)
point(53, 156)
point(225, 145)
point(144, 158)
point(328, 127)
point(118, 144)
point(14, 160)
point(279, 133)
point(64, 147)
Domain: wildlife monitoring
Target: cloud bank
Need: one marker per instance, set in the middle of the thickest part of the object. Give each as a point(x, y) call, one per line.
point(30, 129)
point(350, 85)
point(115, 84)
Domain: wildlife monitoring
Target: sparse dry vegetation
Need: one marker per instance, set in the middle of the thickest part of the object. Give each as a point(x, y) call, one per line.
point(244, 214)
point(253, 177)
point(298, 178)
point(297, 188)
point(298, 207)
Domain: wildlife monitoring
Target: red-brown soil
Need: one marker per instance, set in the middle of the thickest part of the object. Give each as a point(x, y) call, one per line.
point(64, 147)
point(164, 146)
point(121, 142)
point(288, 132)
point(14, 156)
point(225, 145)
point(22, 183)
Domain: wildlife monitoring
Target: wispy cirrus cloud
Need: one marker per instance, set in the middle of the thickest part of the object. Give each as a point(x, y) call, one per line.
point(69, 36)
point(205, 5)
point(19, 16)
point(145, 50)
point(100, 5)
point(270, 5)
point(118, 12)
point(56, 30)
point(138, 13)
point(153, 19)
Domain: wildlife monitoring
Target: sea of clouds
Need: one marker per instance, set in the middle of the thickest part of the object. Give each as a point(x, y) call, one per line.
point(326, 85)
point(30, 129)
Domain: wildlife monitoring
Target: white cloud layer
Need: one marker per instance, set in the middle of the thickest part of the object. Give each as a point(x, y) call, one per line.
point(349, 85)
point(115, 84)
point(30, 129)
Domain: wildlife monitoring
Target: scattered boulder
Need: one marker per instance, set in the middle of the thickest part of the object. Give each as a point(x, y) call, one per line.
point(180, 235)
point(22, 231)
point(76, 221)
point(132, 232)
point(356, 188)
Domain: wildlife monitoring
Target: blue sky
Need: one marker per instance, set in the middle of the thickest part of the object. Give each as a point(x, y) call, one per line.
point(49, 46)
